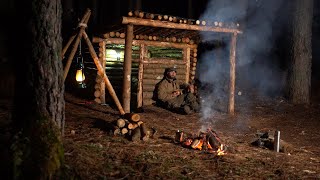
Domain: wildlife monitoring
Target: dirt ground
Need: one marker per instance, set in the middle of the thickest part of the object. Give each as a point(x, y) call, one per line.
point(93, 152)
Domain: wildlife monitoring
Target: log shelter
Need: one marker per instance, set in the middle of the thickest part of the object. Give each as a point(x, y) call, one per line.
point(139, 37)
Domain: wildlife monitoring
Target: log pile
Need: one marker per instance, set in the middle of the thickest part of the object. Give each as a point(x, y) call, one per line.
point(131, 127)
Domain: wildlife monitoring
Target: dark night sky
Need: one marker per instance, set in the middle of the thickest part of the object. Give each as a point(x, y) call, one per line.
point(106, 13)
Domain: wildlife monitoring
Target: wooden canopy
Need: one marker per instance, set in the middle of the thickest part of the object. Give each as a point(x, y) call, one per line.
point(146, 29)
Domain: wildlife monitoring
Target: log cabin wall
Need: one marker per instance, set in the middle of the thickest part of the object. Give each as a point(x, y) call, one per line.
point(163, 31)
point(111, 57)
point(154, 64)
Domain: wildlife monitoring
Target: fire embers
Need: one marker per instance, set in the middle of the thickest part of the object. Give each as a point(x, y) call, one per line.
point(206, 141)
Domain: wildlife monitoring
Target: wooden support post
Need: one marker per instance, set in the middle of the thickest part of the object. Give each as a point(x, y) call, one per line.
point(102, 72)
point(186, 58)
point(103, 64)
point(233, 44)
point(126, 93)
point(140, 76)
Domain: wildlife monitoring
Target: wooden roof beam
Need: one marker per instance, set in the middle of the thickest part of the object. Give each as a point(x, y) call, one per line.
point(171, 25)
point(149, 43)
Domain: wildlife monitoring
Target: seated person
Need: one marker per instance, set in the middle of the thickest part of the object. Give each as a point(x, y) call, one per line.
point(174, 96)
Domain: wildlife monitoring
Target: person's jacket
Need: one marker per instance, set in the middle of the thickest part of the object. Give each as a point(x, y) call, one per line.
point(165, 88)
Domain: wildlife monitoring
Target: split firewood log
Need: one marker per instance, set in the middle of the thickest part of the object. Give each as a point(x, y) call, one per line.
point(139, 123)
point(124, 131)
point(132, 117)
point(116, 130)
point(132, 125)
point(121, 123)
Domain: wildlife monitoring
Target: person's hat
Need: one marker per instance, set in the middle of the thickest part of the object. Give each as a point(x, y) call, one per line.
point(170, 69)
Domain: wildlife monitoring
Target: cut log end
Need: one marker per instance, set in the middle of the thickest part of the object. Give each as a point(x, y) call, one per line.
point(132, 117)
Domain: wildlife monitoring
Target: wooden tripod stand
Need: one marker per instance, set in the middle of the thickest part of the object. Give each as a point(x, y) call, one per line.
point(82, 33)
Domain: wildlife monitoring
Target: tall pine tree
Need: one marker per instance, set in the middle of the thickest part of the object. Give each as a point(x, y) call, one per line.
point(38, 116)
point(300, 67)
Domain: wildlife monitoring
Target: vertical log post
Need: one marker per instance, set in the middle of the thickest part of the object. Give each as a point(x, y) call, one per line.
point(140, 76)
point(126, 93)
point(103, 64)
point(232, 72)
point(186, 58)
point(102, 72)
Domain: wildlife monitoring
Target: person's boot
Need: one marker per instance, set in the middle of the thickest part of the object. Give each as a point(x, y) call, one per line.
point(187, 109)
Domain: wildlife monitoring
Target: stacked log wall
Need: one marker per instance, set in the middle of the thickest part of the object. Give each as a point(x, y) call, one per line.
point(114, 71)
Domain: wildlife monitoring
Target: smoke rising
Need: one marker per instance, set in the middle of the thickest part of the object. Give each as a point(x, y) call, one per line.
point(257, 66)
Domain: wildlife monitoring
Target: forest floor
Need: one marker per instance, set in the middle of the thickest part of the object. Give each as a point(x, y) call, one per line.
point(93, 152)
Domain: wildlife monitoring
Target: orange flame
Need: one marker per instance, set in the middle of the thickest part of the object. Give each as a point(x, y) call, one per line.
point(209, 145)
point(197, 144)
point(220, 151)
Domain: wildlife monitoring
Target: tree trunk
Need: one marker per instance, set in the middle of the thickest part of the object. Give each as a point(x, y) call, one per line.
point(38, 116)
point(300, 69)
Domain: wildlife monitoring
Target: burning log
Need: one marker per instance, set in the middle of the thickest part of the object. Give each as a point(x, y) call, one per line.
point(213, 139)
point(208, 141)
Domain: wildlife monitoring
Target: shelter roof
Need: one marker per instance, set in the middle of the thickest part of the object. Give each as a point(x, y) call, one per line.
point(157, 27)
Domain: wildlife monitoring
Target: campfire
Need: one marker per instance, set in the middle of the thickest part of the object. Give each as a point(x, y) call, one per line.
point(206, 141)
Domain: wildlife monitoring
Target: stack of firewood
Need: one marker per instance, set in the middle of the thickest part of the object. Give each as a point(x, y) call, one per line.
point(133, 128)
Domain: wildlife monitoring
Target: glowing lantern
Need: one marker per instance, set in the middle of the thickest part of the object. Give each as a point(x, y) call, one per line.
point(80, 77)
